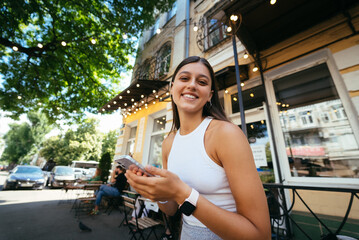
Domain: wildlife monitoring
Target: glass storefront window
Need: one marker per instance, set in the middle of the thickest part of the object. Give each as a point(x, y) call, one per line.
point(259, 141)
point(157, 137)
point(130, 147)
point(318, 137)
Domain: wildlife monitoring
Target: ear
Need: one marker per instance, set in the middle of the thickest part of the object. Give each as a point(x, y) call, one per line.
point(210, 96)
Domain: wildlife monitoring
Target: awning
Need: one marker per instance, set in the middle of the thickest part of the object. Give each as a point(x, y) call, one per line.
point(226, 77)
point(264, 25)
point(139, 92)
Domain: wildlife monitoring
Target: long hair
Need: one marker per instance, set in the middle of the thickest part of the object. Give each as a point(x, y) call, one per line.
point(213, 108)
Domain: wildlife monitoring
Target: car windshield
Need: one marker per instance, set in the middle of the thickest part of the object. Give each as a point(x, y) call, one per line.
point(64, 171)
point(28, 170)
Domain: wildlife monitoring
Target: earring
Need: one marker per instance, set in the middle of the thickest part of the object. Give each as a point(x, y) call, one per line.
point(209, 104)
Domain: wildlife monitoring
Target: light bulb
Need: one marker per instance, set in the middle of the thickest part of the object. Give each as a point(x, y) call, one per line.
point(229, 29)
point(234, 18)
point(63, 43)
point(93, 41)
point(39, 45)
point(255, 69)
point(245, 56)
point(158, 31)
point(273, 2)
point(15, 48)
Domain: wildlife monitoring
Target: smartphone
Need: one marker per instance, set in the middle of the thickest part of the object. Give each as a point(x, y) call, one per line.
point(128, 163)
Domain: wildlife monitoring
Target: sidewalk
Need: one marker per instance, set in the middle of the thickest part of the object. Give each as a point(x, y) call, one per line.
point(31, 214)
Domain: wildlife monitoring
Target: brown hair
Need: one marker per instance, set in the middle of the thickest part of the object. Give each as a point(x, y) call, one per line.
point(214, 108)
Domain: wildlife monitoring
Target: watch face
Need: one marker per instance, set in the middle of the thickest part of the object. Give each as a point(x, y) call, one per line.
point(187, 208)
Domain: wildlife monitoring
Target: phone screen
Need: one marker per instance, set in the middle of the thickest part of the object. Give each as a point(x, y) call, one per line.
point(128, 163)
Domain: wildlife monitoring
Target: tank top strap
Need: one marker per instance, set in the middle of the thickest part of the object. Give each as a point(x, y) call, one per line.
point(204, 125)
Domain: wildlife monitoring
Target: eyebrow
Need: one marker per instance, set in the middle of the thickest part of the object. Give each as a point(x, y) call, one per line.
point(201, 75)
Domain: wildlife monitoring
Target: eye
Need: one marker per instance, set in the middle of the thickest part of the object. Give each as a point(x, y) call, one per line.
point(203, 82)
point(183, 78)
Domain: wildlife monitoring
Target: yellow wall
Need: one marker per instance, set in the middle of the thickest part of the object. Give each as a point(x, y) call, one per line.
point(144, 113)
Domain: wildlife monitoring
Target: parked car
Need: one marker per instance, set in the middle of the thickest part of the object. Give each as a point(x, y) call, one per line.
point(61, 174)
point(80, 173)
point(25, 177)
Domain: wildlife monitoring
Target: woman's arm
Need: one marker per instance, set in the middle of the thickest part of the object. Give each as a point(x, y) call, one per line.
point(251, 221)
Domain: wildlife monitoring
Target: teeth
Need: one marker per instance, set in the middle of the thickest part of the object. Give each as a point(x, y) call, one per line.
point(189, 96)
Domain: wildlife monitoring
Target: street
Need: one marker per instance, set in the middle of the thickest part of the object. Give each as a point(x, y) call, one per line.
point(44, 214)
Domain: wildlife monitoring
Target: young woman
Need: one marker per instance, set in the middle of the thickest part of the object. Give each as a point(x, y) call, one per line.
point(208, 168)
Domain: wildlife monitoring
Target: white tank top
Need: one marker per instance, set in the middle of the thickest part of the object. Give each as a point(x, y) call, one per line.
point(189, 160)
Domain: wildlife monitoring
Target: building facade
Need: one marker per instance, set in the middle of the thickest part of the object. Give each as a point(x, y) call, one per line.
point(299, 73)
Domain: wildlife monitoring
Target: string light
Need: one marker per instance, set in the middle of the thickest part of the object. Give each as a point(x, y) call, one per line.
point(39, 45)
point(195, 28)
point(255, 69)
point(63, 43)
point(93, 41)
point(19, 97)
point(109, 106)
point(273, 2)
point(15, 48)
point(226, 91)
point(158, 31)
point(234, 18)
point(128, 91)
point(242, 84)
point(124, 36)
point(137, 85)
point(251, 95)
point(245, 56)
point(229, 29)
point(114, 102)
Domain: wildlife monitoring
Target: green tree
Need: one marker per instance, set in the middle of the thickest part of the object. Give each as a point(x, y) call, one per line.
point(84, 143)
point(18, 141)
point(67, 56)
point(24, 140)
point(105, 166)
point(109, 143)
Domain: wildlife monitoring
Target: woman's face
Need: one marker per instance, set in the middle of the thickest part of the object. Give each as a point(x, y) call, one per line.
point(191, 88)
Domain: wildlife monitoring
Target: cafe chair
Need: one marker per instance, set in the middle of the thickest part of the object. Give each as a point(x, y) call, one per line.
point(139, 225)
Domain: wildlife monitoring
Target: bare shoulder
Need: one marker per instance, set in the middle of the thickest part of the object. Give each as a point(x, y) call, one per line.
point(227, 130)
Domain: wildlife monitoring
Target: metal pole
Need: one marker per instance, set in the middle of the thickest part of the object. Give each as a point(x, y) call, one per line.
point(239, 87)
point(187, 27)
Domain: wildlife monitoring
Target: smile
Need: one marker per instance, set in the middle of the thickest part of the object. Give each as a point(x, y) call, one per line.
point(189, 96)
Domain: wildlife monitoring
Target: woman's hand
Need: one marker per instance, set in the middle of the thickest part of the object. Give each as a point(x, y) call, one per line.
point(165, 186)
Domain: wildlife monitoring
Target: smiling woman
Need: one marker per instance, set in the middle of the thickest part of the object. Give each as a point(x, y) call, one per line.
point(208, 167)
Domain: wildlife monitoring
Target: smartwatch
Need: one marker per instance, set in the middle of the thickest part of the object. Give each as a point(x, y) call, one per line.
point(189, 205)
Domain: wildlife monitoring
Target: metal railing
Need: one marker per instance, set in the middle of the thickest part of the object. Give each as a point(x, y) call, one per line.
point(281, 215)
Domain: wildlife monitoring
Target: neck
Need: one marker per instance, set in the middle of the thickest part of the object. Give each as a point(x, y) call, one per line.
point(189, 122)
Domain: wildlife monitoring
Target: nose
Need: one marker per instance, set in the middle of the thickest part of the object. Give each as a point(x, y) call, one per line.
point(192, 83)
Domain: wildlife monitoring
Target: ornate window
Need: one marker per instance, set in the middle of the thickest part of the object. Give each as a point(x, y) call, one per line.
point(163, 60)
point(212, 30)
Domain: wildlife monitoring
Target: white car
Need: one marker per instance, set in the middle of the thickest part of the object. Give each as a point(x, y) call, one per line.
point(61, 175)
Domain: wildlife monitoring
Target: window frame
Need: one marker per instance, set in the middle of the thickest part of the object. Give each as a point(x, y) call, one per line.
point(309, 61)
